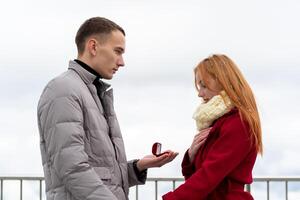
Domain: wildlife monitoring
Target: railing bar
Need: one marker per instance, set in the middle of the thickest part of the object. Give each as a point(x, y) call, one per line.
point(268, 190)
point(136, 192)
point(21, 189)
point(26, 178)
point(278, 179)
point(41, 188)
point(286, 190)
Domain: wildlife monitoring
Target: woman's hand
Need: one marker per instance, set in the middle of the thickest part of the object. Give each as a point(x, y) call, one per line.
point(153, 161)
point(199, 139)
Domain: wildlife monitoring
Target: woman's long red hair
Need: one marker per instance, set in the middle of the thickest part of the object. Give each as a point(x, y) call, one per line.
point(227, 74)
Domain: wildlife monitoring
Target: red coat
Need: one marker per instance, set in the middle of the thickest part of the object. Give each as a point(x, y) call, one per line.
point(222, 166)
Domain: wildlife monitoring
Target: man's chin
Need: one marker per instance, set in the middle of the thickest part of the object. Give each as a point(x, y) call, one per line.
point(108, 77)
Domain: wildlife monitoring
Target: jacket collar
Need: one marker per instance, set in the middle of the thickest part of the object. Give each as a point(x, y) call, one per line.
point(87, 67)
point(86, 76)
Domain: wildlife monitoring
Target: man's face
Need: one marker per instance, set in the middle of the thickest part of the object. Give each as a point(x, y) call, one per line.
point(109, 55)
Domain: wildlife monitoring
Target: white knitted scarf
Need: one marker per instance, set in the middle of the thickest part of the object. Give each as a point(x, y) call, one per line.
point(207, 113)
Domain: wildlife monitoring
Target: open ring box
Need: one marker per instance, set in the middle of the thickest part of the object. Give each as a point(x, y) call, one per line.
point(156, 149)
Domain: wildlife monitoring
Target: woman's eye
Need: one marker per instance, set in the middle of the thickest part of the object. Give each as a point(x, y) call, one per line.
point(202, 85)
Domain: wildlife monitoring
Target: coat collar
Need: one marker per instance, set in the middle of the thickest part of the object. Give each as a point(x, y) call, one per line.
point(86, 76)
point(217, 122)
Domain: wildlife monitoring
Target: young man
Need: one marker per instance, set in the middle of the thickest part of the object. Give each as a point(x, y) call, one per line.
point(82, 148)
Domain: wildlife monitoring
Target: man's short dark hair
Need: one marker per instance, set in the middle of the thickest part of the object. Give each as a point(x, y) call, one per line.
point(99, 26)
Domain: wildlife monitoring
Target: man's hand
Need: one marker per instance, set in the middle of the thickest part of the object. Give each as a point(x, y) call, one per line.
point(151, 161)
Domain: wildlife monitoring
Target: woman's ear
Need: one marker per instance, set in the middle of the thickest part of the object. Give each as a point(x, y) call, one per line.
point(218, 85)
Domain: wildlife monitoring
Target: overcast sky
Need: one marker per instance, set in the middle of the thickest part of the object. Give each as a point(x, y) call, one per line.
point(154, 93)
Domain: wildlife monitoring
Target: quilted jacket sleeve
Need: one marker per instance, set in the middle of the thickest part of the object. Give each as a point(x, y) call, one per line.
point(135, 177)
point(61, 122)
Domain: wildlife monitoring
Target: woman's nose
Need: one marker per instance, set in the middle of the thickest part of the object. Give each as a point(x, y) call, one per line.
point(200, 93)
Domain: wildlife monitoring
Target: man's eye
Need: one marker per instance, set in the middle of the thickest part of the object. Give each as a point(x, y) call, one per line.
point(119, 52)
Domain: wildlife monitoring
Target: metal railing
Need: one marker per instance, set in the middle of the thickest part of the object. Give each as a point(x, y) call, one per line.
point(21, 180)
point(268, 180)
point(172, 181)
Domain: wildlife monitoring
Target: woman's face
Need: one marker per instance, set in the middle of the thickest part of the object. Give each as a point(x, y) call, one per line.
point(207, 92)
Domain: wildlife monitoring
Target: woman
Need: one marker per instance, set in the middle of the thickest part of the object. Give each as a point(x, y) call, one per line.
point(220, 160)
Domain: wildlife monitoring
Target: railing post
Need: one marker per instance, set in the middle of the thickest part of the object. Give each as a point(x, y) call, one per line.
point(156, 193)
point(137, 192)
point(268, 189)
point(21, 189)
point(1, 189)
point(173, 184)
point(41, 189)
point(248, 188)
point(286, 190)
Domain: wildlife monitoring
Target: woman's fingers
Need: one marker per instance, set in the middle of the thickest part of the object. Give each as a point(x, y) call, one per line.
point(198, 140)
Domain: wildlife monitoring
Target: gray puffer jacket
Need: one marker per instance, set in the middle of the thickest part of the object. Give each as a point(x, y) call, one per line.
point(82, 148)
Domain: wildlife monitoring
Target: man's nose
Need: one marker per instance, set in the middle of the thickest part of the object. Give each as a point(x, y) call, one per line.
point(121, 62)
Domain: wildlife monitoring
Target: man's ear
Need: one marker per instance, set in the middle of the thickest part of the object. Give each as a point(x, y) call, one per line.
point(92, 46)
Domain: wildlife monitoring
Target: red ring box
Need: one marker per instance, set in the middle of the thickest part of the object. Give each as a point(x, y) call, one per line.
point(156, 149)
